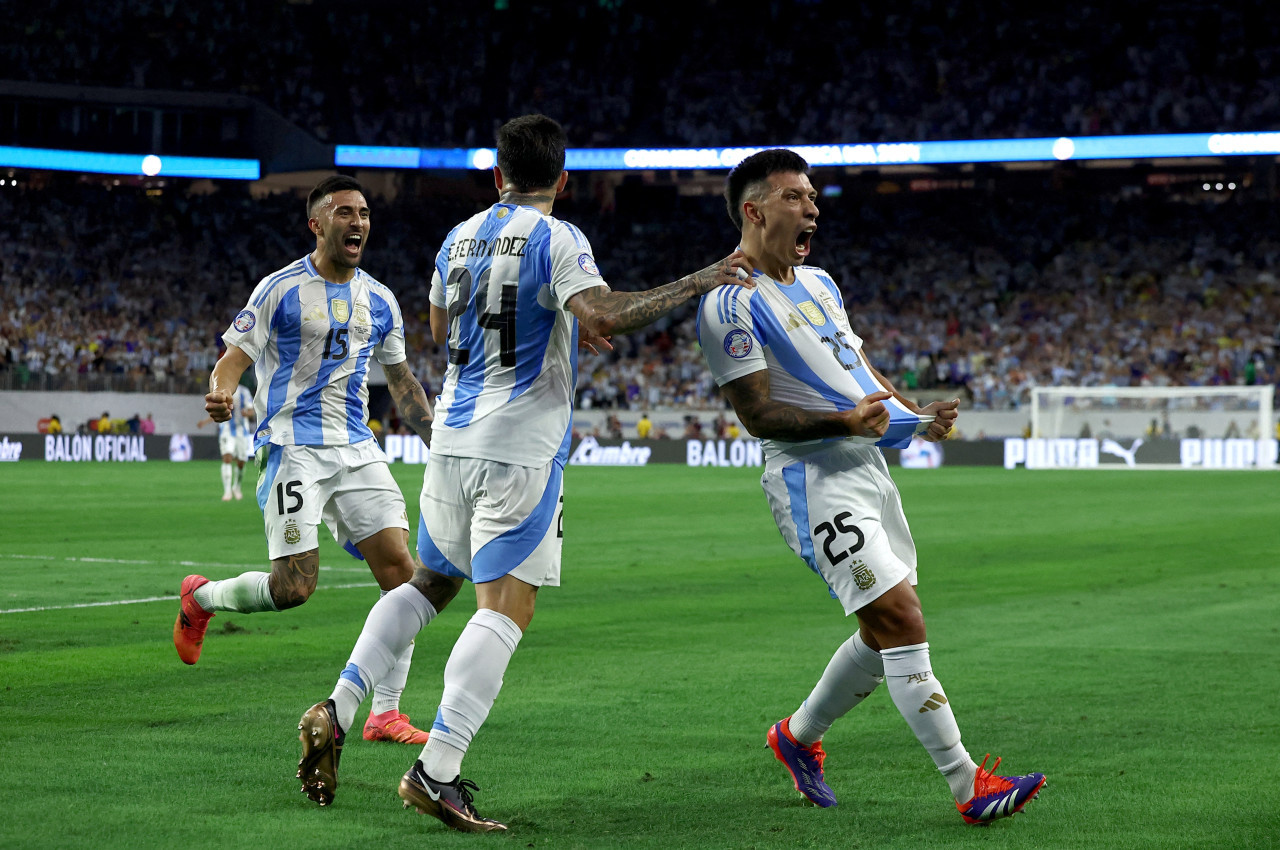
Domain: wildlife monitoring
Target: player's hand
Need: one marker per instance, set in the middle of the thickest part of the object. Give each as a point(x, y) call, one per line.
point(592, 342)
point(218, 404)
point(870, 418)
point(944, 418)
point(733, 270)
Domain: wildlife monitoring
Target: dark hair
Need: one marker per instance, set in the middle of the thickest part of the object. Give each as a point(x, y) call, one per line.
point(329, 185)
point(531, 152)
point(753, 170)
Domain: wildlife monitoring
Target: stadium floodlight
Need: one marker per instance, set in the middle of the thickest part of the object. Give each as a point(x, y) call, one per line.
point(137, 165)
point(962, 152)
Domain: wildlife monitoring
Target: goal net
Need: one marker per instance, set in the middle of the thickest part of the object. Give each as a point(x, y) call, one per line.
point(1212, 427)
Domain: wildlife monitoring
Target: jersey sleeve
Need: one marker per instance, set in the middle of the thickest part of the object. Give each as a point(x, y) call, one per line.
point(251, 328)
point(391, 349)
point(727, 334)
point(573, 267)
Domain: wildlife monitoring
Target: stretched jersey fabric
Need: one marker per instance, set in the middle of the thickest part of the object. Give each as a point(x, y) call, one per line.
point(504, 276)
point(310, 340)
point(801, 334)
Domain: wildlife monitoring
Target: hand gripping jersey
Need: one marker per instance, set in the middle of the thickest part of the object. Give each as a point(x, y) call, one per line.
point(504, 276)
point(310, 341)
point(801, 334)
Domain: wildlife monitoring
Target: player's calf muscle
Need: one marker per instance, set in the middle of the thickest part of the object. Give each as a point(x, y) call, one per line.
point(293, 579)
point(438, 589)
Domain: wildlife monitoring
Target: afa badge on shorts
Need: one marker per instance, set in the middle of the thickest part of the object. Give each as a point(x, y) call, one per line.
point(862, 575)
point(291, 533)
point(245, 320)
point(737, 344)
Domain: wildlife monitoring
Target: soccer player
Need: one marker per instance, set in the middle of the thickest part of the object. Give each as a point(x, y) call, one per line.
point(310, 330)
point(508, 285)
point(785, 356)
point(233, 442)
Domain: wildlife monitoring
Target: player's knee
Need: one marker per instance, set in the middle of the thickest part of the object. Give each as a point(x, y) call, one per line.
point(896, 622)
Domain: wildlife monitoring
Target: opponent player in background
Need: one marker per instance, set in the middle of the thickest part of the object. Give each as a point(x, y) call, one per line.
point(310, 330)
point(507, 287)
point(234, 437)
point(786, 357)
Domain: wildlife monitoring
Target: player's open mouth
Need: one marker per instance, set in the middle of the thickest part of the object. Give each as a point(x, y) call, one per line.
point(353, 242)
point(802, 241)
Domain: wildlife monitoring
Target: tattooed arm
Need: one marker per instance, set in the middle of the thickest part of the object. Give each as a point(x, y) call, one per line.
point(410, 399)
point(768, 419)
point(604, 312)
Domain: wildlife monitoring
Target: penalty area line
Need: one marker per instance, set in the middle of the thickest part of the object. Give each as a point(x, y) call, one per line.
point(115, 602)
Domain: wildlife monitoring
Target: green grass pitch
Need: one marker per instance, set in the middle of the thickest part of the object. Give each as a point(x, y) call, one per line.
point(1117, 630)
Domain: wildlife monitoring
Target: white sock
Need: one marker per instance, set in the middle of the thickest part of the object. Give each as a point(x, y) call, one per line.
point(388, 631)
point(247, 593)
point(852, 674)
point(472, 679)
point(923, 703)
point(386, 694)
point(237, 474)
point(226, 478)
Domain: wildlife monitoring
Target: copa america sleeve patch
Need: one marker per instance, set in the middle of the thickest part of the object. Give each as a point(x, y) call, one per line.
point(737, 344)
point(588, 264)
point(245, 320)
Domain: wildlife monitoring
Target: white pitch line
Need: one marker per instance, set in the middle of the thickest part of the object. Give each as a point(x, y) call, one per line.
point(8, 557)
point(150, 599)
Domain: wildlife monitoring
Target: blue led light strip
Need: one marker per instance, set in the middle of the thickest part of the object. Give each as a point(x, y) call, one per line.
point(898, 153)
point(132, 164)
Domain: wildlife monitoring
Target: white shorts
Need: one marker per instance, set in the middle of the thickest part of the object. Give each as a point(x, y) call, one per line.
point(842, 514)
point(237, 447)
point(350, 488)
point(482, 519)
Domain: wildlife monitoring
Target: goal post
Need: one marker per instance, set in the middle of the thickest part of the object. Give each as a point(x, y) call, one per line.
point(1227, 412)
point(1222, 427)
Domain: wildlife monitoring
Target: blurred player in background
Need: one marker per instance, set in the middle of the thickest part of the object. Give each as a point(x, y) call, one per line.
point(310, 330)
point(508, 285)
point(785, 356)
point(234, 436)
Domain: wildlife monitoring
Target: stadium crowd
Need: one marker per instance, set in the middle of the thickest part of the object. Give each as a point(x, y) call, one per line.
point(624, 73)
point(987, 295)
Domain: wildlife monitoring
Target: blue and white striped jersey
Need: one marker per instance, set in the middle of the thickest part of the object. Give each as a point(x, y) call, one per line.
point(238, 425)
point(310, 341)
point(800, 333)
point(504, 276)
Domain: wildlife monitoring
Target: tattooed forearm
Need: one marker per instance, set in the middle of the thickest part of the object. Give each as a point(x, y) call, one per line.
point(773, 420)
point(606, 312)
point(411, 400)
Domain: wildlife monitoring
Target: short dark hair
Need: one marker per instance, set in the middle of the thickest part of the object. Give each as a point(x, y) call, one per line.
point(329, 185)
point(755, 169)
point(531, 152)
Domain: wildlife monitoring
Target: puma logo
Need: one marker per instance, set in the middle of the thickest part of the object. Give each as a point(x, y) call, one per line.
point(1111, 447)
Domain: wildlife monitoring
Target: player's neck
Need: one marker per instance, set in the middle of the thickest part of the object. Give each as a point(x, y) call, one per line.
point(330, 271)
point(777, 269)
point(541, 201)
